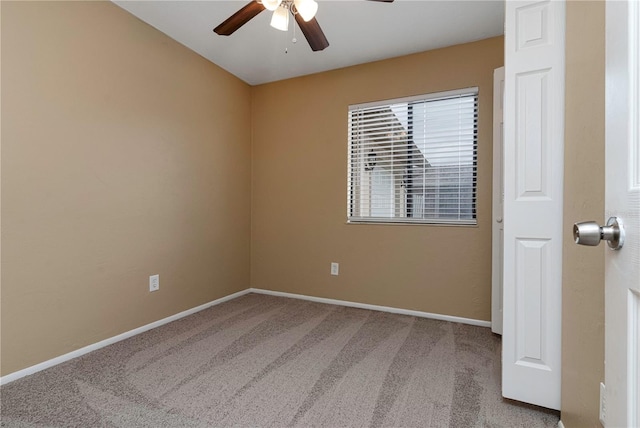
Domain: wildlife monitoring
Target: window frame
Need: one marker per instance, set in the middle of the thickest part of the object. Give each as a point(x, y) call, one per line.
point(353, 172)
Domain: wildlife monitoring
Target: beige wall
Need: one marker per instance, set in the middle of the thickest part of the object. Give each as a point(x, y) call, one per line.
point(124, 154)
point(583, 277)
point(299, 201)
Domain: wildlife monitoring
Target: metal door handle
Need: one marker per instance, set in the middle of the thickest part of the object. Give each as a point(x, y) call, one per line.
point(590, 233)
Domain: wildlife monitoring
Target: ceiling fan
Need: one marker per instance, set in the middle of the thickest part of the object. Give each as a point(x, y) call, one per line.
point(303, 11)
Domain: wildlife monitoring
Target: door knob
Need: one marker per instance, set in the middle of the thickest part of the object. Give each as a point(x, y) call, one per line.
point(590, 233)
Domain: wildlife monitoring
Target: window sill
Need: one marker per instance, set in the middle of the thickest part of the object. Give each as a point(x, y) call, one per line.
point(472, 224)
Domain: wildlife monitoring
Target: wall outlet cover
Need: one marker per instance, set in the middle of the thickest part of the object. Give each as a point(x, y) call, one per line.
point(154, 282)
point(335, 268)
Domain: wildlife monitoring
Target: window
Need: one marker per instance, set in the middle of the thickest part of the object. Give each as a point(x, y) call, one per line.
point(414, 160)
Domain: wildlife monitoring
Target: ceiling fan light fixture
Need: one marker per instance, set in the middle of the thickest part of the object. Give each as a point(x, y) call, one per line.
point(306, 8)
point(280, 19)
point(271, 4)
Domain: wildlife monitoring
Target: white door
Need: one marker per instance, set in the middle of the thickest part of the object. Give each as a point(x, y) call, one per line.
point(533, 201)
point(497, 241)
point(622, 267)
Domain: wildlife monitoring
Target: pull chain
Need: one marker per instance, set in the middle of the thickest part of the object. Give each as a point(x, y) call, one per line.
point(294, 33)
point(294, 40)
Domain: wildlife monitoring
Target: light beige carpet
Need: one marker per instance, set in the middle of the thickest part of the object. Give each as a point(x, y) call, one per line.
point(263, 361)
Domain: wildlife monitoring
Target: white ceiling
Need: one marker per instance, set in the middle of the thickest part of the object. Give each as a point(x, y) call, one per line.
point(358, 31)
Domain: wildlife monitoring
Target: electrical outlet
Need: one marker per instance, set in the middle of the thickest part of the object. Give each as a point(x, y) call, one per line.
point(154, 283)
point(335, 268)
point(603, 408)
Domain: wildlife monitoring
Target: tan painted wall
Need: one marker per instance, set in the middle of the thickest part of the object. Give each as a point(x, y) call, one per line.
point(124, 154)
point(299, 197)
point(583, 277)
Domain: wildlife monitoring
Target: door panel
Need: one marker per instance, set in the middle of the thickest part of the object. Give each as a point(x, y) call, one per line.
point(622, 267)
point(533, 201)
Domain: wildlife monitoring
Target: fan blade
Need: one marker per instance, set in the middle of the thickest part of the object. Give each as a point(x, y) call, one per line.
point(313, 33)
point(239, 18)
point(383, 1)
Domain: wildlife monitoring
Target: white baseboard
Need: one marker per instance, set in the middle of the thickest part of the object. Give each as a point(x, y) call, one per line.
point(82, 351)
point(375, 307)
point(560, 424)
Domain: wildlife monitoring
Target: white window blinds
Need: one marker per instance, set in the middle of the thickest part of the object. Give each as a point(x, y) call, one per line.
point(414, 159)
